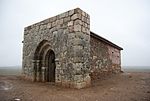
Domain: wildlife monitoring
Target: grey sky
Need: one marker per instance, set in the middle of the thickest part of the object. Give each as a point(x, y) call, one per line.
point(124, 22)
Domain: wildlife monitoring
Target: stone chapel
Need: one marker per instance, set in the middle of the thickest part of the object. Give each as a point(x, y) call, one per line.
point(64, 51)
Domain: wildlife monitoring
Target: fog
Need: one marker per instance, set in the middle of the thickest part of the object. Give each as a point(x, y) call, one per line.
point(123, 22)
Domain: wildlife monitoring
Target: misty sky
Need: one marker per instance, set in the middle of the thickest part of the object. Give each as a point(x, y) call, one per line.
point(124, 22)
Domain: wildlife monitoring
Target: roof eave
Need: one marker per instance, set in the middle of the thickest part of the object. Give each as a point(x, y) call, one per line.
point(105, 40)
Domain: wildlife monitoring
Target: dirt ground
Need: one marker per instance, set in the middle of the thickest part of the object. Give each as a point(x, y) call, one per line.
point(128, 86)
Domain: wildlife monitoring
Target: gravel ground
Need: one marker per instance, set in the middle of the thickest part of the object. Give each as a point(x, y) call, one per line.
point(128, 86)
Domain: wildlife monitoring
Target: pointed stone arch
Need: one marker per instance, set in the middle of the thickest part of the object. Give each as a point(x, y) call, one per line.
point(44, 63)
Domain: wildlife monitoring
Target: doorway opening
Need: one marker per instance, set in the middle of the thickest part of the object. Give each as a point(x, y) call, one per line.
point(50, 64)
point(44, 63)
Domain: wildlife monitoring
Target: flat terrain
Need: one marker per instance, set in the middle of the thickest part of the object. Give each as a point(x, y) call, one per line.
point(128, 86)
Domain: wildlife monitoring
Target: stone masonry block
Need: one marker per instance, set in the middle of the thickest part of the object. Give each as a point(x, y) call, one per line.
point(88, 21)
point(66, 19)
point(78, 78)
point(78, 60)
point(71, 12)
point(53, 24)
point(80, 42)
point(78, 10)
point(77, 47)
point(62, 15)
point(84, 29)
point(83, 13)
point(53, 19)
point(70, 23)
point(76, 16)
point(79, 35)
point(58, 22)
point(70, 29)
point(77, 28)
point(76, 22)
point(87, 79)
point(49, 25)
point(84, 19)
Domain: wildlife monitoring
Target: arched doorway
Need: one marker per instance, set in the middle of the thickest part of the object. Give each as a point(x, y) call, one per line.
point(50, 64)
point(44, 63)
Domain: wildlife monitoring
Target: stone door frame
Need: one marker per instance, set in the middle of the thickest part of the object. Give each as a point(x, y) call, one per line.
point(41, 63)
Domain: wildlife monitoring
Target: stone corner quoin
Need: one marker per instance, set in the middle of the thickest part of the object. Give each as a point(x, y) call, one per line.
point(61, 49)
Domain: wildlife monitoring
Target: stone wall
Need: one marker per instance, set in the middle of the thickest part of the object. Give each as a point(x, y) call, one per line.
point(79, 57)
point(105, 59)
point(68, 35)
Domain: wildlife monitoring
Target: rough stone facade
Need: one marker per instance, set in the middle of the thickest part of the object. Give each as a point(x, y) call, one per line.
point(105, 57)
point(61, 49)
